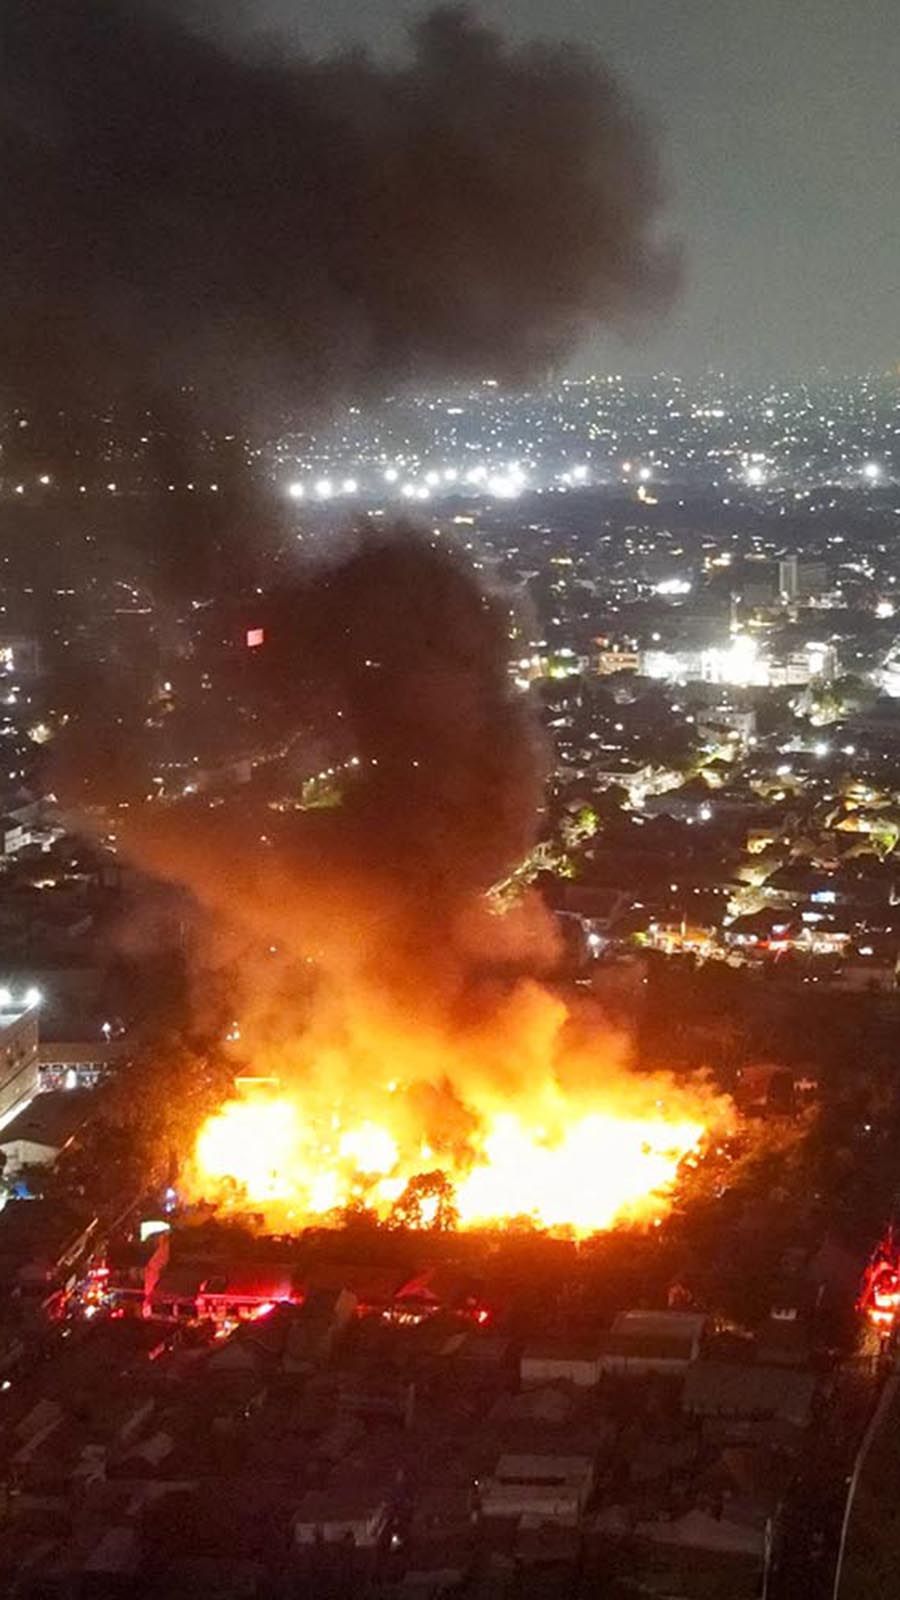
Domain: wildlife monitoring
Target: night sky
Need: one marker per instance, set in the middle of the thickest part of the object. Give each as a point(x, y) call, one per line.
point(781, 122)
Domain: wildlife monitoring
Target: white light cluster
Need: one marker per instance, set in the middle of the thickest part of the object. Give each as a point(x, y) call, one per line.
point(672, 586)
point(32, 997)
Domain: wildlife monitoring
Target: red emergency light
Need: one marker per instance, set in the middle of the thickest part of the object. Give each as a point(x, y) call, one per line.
point(255, 637)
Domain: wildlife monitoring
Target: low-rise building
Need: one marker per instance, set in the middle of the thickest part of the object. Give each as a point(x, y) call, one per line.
point(664, 1342)
point(750, 1395)
point(556, 1362)
point(356, 1514)
point(45, 1128)
point(547, 1488)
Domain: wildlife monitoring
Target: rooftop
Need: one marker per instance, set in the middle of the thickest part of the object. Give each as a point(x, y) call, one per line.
point(52, 1119)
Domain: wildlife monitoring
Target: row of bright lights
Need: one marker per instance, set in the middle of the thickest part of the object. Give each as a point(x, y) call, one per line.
point(502, 483)
point(111, 488)
point(756, 471)
point(508, 482)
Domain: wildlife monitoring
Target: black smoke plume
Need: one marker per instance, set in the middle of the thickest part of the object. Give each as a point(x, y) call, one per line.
point(201, 232)
point(262, 229)
point(441, 774)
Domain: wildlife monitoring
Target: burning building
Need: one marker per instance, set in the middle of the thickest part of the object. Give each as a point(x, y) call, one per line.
point(400, 1045)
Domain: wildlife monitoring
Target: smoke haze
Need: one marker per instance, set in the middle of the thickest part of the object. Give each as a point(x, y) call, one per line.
point(277, 229)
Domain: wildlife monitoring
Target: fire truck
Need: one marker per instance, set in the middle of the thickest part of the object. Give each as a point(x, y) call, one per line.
point(879, 1298)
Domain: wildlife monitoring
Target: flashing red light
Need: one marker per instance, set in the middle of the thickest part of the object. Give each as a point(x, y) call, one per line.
point(255, 637)
point(879, 1299)
point(483, 1316)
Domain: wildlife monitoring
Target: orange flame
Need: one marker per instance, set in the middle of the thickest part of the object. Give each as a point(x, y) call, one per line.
point(570, 1142)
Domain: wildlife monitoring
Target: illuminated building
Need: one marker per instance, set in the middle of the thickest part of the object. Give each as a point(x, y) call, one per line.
point(20, 655)
point(616, 660)
point(724, 724)
point(801, 580)
point(742, 663)
point(18, 1053)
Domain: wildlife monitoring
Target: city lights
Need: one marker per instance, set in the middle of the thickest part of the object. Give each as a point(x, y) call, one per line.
point(450, 832)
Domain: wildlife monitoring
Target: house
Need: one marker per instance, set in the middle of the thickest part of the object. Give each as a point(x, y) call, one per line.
point(547, 1488)
point(783, 1340)
point(245, 1288)
point(438, 1288)
point(717, 1390)
point(700, 1531)
point(555, 1363)
point(356, 1514)
point(639, 1342)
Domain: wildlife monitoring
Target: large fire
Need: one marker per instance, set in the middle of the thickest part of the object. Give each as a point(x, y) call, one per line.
point(576, 1157)
point(405, 1064)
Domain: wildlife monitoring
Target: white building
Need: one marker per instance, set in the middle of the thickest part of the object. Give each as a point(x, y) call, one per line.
point(41, 1131)
point(719, 724)
point(742, 663)
point(19, 1075)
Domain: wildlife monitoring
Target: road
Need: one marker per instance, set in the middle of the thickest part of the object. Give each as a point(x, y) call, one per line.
point(807, 1541)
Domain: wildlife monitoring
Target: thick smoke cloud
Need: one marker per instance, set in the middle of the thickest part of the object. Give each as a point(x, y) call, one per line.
point(273, 228)
point(442, 777)
point(204, 233)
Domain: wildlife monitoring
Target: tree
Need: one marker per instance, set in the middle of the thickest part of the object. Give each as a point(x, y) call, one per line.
point(427, 1202)
point(147, 1121)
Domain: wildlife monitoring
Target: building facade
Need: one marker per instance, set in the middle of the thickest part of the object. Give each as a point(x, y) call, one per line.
point(18, 1059)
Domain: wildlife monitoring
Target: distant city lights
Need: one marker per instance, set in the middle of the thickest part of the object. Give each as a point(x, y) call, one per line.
point(672, 586)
